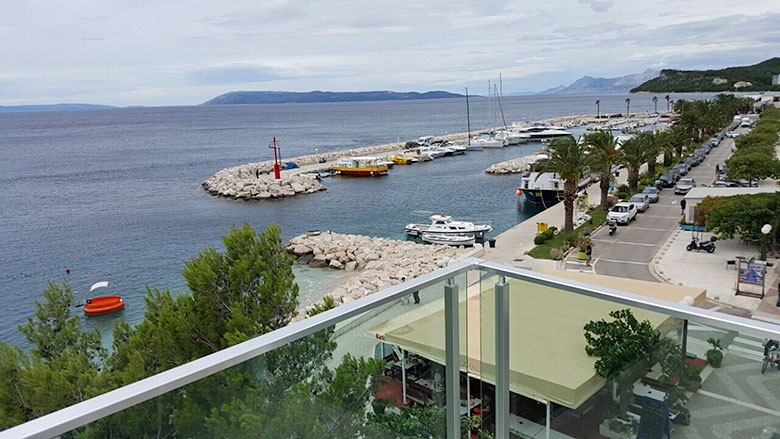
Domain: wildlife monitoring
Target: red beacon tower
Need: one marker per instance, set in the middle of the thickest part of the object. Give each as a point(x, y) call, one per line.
point(277, 157)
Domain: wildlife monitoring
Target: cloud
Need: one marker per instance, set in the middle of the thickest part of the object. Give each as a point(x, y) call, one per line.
point(234, 74)
point(598, 5)
point(91, 38)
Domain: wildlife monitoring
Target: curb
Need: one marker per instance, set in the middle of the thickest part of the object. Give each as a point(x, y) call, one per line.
point(657, 258)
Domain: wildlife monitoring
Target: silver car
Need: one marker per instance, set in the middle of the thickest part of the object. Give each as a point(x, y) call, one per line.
point(684, 185)
point(652, 193)
point(640, 201)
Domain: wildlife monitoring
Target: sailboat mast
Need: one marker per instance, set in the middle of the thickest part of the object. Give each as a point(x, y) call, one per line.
point(501, 106)
point(490, 114)
point(468, 115)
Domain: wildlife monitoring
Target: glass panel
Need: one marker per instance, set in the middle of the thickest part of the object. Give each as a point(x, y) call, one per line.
point(347, 381)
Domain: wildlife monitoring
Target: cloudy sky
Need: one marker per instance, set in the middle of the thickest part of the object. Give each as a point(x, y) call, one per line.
point(172, 52)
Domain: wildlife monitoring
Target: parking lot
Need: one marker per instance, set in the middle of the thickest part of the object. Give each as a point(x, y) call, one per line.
point(630, 250)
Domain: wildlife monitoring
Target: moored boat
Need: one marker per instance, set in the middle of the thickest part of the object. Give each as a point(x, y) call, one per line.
point(362, 166)
point(449, 239)
point(102, 304)
point(402, 160)
point(444, 224)
point(545, 188)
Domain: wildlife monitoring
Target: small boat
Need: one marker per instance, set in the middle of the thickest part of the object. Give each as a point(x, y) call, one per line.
point(362, 166)
point(402, 160)
point(102, 304)
point(545, 188)
point(448, 239)
point(488, 142)
point(444, 224)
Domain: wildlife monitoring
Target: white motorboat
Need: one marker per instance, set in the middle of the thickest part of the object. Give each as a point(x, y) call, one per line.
point(510, 138)
point(433, 152)
point(448, 239)
point(539, 132)
point(444, 224)
point(488, 142)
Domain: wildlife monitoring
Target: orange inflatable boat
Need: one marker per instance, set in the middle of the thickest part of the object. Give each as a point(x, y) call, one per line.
point(103, 305)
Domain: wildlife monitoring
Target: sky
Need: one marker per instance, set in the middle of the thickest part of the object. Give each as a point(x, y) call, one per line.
point(172, 52)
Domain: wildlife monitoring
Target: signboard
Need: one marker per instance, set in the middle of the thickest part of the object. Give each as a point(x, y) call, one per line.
point(654, 423)
point(751, 273)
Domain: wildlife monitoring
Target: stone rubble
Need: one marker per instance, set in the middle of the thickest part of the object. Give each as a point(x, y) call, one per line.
point(243, 184)
point(380, 262)
point(514, 166)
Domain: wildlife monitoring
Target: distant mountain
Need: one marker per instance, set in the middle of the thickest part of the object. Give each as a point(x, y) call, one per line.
point(757, 77)
point(286, 97)
point(588, 84)
point(52, 107)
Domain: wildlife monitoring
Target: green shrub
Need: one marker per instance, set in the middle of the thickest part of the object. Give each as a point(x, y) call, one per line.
point(623, 188)
point(539, 239)
point(714, 357)
point(557, 253)
point(623, 195)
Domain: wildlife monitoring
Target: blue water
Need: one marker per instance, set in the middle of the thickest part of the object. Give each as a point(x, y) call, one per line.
point(115, 194)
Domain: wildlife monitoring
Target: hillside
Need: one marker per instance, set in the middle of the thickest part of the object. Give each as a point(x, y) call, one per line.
point(51, 107)
point(759, 76)
point(286, 97)
point(590, 85)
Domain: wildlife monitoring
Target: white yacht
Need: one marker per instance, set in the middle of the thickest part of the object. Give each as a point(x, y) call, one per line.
point(539, 132)
point(510, 137)
point(444, 224)
point(488, 142)
point(449, 239)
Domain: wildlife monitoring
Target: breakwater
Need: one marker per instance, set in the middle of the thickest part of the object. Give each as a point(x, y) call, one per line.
point(241, 184)
point(378, 262)
point(513, 166)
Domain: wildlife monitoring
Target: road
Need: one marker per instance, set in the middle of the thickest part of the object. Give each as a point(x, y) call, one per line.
point(629, 252)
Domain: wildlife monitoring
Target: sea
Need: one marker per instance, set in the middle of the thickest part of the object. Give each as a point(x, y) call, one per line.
point(115, 194)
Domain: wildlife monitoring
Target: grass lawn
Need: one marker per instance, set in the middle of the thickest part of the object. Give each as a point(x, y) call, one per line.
point(543, 251)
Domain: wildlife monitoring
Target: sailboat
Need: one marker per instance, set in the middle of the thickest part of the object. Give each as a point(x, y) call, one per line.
point(471, 146)
point(488, 139)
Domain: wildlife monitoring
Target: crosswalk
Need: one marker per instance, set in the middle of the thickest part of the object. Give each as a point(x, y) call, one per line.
point(745, 346)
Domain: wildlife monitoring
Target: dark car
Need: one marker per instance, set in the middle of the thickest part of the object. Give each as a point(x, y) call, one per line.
point(691, 161)
point(668, 179)
point(747, 183)
point(681, 168)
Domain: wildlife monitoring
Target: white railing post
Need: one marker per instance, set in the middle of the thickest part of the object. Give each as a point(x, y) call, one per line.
point(502, 357)
point(452, 355)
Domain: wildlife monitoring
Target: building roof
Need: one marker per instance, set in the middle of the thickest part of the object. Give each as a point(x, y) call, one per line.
point(547, 347)
point(704, 192)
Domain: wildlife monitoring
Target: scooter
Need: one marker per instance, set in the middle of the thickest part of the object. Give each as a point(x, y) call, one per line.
point(612, 227)
point(696, 244)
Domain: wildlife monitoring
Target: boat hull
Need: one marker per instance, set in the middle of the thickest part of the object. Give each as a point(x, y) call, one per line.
point(363, 172)
point(448, 239)
point(103, 305)
point(542, 196)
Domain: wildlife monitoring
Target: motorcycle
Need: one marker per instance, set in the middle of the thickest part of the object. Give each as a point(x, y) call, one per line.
point(696, 244)
point(612, 227)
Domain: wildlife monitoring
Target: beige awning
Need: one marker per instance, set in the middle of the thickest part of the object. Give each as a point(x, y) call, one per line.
point(547, 347)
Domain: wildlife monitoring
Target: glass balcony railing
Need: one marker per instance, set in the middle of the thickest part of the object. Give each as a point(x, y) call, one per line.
point(473, 350)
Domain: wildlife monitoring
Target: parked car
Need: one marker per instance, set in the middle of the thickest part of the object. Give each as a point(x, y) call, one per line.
point(681, 168)
point(747, 183)
point(732, 134)
point(640, 201)
point(667, 179)
point(652, 193)
point(622, 213)
point(724, 184)
point(684, 185)
point(691, 161)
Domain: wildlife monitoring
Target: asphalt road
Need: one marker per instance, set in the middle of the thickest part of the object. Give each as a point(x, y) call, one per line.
point(630, 250)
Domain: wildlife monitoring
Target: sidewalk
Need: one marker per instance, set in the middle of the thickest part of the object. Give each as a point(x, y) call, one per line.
point(678, 266)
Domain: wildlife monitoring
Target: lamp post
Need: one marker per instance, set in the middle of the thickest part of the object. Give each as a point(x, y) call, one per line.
point(764, 242)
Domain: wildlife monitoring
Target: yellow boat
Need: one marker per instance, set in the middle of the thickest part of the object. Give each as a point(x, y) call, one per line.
point(369, 166)
point(401, 160)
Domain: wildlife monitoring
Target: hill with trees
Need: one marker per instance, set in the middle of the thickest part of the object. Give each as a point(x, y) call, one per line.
point(757, 77)
point(287, 97)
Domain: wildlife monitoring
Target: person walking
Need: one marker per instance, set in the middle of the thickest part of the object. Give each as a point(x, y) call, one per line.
point(588, 253)
point(717, 171)
point(682, 206)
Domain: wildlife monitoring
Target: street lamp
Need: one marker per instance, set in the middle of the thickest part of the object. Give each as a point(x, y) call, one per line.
point(764, 242)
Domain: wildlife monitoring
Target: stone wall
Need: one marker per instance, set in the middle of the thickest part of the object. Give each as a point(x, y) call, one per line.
point(242, 184)
point(514, 166)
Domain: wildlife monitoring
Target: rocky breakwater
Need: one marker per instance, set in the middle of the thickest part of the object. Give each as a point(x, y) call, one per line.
point(514, 166)
point(240, 183)
point(380, 262)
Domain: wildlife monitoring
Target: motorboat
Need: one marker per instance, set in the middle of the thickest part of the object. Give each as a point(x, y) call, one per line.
point(444, 224)
point(539, 132)
point(545, 188)
point(362, 166)
point(488, 142)
point(449, 239)
point(433, 152)
point(102, 304)
point(511, 138)
point(402, 160)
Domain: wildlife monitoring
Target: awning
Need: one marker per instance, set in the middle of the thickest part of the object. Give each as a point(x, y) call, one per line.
point(547, 346)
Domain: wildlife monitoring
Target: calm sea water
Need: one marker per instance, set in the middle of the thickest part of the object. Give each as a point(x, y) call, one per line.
point(115, 194)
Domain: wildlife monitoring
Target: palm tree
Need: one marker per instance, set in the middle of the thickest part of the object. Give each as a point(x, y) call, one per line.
point(667, 103)
point(569, 159)
point(628, 105)
point(655, 102)
point(603, 147)
point(654, 147)
point(635, 153)
point(598, 108)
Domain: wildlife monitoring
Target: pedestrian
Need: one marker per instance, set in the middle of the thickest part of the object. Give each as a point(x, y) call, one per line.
point(416, 295)
point(717, 170)
point(588, 253)
point(682, 206)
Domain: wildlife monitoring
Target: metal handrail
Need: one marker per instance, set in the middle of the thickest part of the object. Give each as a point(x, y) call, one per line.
point(80, 414)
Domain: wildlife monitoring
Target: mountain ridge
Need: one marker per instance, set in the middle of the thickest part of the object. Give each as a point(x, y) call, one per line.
point(589, 84)
point(317, 96)
point(758, 76)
